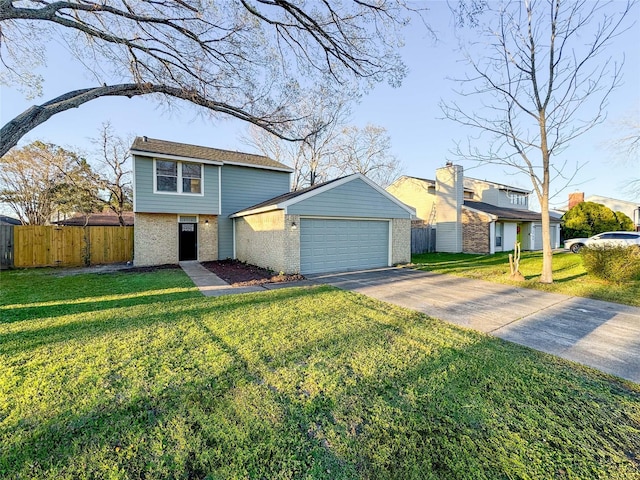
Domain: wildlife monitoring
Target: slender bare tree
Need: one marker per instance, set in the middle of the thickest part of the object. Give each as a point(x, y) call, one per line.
point(311, 158)
point(543, 72)
point(112, 171)
point(250, 59)
point(367, 151)
point(626, 151)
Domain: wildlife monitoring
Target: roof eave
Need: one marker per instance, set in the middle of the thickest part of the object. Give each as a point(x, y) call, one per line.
point(254, 211)
point(144, 153)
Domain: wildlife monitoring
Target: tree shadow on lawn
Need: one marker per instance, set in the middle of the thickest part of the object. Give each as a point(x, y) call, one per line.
point(115, 316)
point(12, 314)
point(209, 423)
point(384, 393)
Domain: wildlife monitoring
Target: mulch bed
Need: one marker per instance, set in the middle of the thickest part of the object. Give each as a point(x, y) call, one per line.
point(240, 274)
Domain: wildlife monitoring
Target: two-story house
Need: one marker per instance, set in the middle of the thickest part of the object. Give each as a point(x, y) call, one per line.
point(472, 215)
point(200, 203)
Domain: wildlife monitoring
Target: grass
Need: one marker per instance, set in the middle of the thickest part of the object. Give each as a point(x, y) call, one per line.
point(569, 275)
point(138, 376)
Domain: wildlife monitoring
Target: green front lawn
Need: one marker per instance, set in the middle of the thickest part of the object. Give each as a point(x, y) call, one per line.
point(569, 275)
point(138, 376)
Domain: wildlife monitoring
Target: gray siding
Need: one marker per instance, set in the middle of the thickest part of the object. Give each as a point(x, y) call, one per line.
point(148, 202)
point(352, 199)
point(243, 187)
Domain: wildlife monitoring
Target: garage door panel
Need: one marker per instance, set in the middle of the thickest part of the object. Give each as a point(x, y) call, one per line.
point(332, 245)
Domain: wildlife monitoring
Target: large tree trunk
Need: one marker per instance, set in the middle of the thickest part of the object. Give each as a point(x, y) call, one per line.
point(15, 129)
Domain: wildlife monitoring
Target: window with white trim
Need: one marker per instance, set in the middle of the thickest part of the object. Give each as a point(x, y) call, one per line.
point(518, 199)
point(178, 177)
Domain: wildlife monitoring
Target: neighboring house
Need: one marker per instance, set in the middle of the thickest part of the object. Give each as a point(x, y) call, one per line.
point(200, 203)
point(4, 220)
point(472, 215)
point(104, 219)
point(630, 209)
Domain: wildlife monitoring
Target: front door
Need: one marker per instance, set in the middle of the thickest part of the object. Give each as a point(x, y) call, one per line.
point(188, 241)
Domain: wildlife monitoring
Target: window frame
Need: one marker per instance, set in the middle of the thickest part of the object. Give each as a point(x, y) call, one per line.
point(518, 199)
point(179, 186)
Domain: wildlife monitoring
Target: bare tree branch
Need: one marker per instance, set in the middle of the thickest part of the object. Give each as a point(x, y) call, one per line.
point(544, 84)
point(252, 59)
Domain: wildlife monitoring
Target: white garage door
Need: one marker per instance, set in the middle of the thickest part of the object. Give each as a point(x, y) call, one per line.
point(339, 245)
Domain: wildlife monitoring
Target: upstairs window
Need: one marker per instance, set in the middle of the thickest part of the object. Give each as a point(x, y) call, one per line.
point(178, 177)
point(518, 199)
point(166, 176)
point(191, 177)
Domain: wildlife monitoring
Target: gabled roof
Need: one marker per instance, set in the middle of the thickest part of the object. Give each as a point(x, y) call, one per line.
point(281, 202)
point(104, 219)
point(426, 180)
point(501, 186)
point(184, 151)
point(600, 198)
point(429, 182)
point(4, 220)
point(504, 213)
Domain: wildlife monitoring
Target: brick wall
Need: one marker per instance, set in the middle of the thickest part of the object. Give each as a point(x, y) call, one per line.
point(401, 241)
point(207, 238)
point(292, 244)
point(269, 240)
point(476, 236)
point(155, 239)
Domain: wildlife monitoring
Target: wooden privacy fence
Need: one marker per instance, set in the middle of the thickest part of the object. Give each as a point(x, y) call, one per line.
point(52, 246)
point(423, 239)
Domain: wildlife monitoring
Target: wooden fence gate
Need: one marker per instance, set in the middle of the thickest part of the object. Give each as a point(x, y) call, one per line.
point(53, 246)
point(423, 239)
point(6, 246)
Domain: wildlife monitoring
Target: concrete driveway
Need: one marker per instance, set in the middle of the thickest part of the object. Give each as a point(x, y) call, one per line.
point(602, 335)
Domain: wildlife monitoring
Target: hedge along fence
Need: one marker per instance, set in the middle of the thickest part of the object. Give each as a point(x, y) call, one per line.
point(53, 246)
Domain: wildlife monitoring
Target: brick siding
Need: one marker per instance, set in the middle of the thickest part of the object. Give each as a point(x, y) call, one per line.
point(155, 239)
point(269, 240)
point(476, 235)
point(400, 241)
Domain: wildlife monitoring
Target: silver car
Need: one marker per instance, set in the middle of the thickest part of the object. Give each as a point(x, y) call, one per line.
point(606, 239)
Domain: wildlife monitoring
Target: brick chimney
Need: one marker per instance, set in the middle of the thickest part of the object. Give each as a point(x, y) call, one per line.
point(575, 198)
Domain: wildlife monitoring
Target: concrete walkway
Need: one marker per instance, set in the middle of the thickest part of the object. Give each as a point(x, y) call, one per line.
point(212, 285)
point(602, 335)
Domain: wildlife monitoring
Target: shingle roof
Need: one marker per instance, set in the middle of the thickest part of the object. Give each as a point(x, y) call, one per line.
point(432, 183)
point(421, 179)
point(501, 186)
point(505, 213)
point(4, 220)
point(105, 219)
point(153, 145)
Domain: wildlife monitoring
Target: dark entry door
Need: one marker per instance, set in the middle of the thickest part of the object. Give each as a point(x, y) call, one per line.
point(188, 241)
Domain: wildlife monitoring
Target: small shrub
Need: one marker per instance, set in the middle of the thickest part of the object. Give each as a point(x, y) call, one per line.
point(616, 264)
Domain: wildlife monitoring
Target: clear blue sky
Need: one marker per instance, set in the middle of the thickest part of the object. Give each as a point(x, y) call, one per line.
point(420, 138)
